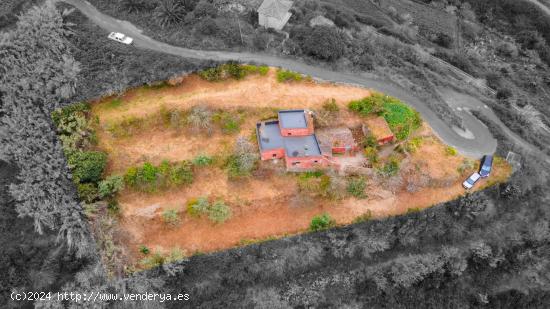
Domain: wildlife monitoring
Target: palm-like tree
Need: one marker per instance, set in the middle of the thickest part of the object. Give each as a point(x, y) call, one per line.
point(169, 12)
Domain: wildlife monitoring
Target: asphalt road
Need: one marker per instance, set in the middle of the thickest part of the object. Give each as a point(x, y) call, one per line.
point(482, 142)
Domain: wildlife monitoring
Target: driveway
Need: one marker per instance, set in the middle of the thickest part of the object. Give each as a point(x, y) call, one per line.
point(476, 143)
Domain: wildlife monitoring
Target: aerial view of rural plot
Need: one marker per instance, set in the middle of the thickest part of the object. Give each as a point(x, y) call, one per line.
point(220, 159)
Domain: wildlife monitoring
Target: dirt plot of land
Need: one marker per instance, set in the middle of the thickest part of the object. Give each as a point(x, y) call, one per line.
point(269, 203)
point(156, 144)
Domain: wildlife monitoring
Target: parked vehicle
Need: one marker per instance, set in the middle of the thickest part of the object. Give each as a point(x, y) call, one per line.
point(120, 37)
point(470, 182)
point(486, 165)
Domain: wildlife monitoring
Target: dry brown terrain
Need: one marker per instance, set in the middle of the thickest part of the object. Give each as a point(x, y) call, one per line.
point(268, 204)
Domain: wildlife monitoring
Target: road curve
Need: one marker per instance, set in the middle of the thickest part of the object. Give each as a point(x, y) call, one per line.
point(482, 143)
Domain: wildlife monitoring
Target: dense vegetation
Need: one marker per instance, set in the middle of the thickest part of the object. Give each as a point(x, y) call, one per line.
point(401, 118)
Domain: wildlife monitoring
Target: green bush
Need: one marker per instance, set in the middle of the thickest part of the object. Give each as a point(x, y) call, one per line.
point(203, 160)
point(413, 144)
point(321, 222)
point(144, 250)
point(229, 122)
point(197, 207)
point(390, 168)
point(61, 114)
point(287, 75)
point(368, 105)
point(401, 118)
point(235, 70)
point(152, 260)
point(219, 212)
point(87, 166)
point(324, 43)
point(211, 74)
point(150, 178)
point(371, 153)
point(254, 69)
point(356, 187)
point(110, 186)
point(171, 217)
point(450, 151)
point(87, 192)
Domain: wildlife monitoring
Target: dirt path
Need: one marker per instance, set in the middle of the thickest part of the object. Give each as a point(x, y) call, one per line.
point(475, 147)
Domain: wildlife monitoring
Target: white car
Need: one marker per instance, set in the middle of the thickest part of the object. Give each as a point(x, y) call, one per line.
point(120, 37)
point(470, 182)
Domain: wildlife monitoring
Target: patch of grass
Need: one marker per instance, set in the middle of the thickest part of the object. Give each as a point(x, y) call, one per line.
point(248, 241)
point(219, 212)
point(371, 153)
point(203, 160)
point(364, 217)
point(229, 123)
point(321, 222)
point(401, 118)
point(450, 151)
point(114, 103)
point(331, 106)
point(413, 210)
point(356, 187)
point(288, 76)
point(171, 217)
point(413, 144)
point(126, 127)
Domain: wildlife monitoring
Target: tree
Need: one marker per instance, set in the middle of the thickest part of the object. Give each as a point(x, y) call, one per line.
point(169, 12)
point(87, 166)
point(325, 43)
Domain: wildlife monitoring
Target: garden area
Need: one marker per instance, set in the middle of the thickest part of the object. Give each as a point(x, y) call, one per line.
point(172, 169)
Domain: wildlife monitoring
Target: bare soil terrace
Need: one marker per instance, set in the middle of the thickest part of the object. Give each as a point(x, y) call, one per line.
point(269, 203)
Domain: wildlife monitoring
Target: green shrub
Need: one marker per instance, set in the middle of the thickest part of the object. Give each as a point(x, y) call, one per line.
point(219, 212)
point(235, 70)
point(450, 151)
point(152, 260)
point(413, 144)
point(229, 123)
point(87, 192)
point(181, 173)
point(368, 105)
point(150, 178)
point(287, 75)
point(202, 160)
point(110, 186)
point(197, 207)
point(171, 217)
point(200, 118)
point(356, 187)
point(254, 69)
point(211, 74)
point(321, 222)
point(413, 210)
point(87, 166)
point(371, 153)
point(390, 168)
point(144, 250)
point(61, 114)
point(324, 43)
point(176, 254)
point(401, 118)
point(113, 207)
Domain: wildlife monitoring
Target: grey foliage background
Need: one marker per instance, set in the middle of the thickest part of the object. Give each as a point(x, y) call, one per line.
point(489, 249)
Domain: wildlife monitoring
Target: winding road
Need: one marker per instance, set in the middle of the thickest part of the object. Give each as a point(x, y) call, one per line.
point(476, 143)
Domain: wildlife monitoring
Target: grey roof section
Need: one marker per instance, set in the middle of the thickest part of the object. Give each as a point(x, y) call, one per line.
point(271, 137)
point(301, 146)
point(293, 119)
